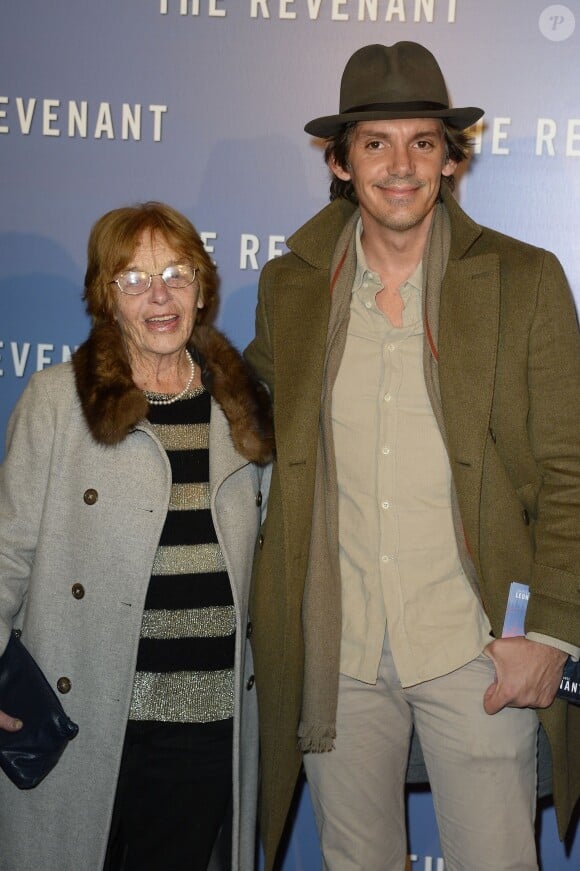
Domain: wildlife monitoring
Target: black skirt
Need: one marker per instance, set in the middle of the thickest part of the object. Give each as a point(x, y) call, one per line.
point(173, 791)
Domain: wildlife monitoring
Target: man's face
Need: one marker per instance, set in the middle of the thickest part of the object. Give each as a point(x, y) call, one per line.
point(396, 168)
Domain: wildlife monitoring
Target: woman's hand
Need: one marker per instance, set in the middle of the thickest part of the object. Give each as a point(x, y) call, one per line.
point(8, 723)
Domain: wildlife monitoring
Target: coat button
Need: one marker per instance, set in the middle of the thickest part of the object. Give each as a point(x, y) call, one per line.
point(78, 591)
point(526, 517)
point(90, 496)
point(63, 685)
point(493, 435)
point(249, 629)
point(261, 541)
point(251, 682)
point(259, 498)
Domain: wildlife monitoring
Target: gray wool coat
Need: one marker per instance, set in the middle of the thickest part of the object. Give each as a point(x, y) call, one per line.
point(73, 511)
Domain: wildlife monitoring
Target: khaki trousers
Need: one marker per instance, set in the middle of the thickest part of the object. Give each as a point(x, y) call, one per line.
point(482, 771)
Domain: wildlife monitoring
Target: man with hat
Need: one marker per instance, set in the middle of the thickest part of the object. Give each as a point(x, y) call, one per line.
point(425, 373)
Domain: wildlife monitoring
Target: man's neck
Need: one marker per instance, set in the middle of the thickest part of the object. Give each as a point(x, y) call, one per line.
point(394, 256)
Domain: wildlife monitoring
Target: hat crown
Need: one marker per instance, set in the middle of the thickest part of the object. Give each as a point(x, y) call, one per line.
point(392, 82)
point(402, 73)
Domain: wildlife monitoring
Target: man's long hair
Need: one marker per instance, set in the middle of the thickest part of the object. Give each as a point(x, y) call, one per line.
point(458, 144)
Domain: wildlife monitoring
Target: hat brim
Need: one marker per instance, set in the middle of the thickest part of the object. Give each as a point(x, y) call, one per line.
point(330, 125)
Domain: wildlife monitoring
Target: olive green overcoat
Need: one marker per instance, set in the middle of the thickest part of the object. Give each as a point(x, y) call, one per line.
point(509, 370)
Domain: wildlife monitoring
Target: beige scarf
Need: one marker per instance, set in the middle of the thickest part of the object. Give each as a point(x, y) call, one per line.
point(321, 608)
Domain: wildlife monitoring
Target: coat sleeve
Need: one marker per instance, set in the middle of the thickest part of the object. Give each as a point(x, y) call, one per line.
point(554, 429)
point(24, 476)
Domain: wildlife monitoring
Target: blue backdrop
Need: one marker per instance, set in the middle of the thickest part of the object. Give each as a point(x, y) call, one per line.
point(201, 104)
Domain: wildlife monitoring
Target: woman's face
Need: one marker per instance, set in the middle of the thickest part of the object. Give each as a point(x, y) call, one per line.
point(158, 322)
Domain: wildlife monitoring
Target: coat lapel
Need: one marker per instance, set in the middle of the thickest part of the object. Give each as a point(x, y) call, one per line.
point(299, 334)
point(468, 344)
point(300, 327)
point(300, 348)
point(224, 460)
point(299, 358)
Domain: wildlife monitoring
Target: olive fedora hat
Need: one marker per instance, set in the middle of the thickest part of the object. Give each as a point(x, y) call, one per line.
point(389, 82)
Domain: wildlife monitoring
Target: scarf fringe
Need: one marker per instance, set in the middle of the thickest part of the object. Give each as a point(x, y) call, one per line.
point(316, 739)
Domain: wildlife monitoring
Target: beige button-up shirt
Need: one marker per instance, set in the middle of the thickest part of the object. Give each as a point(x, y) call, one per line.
point(400, 567)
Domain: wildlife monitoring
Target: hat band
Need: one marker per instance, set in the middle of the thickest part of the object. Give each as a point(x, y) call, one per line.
point(418, 105)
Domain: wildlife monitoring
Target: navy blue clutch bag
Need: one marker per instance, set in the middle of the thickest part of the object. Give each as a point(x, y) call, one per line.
point(27, 756)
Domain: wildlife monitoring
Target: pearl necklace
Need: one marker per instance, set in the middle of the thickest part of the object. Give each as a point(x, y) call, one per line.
point(171, 399)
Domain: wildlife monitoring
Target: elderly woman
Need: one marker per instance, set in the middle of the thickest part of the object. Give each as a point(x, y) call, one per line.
point(130, 502)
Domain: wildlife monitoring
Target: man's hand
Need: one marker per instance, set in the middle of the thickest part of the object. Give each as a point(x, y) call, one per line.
point(8, 723)
point(528, 674)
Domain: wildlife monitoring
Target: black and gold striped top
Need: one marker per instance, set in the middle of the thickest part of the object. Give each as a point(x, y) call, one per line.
point(186, 652)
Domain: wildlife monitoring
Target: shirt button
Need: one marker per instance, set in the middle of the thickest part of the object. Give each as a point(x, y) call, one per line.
point(386, 450)
point(390, 347)
point(386, 505)
point(368, 304)
point(78, 591)
point(387, 397)
point(385, 558)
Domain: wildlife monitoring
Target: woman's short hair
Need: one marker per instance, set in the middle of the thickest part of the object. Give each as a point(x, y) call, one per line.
point(458, 145)
point(112, 243)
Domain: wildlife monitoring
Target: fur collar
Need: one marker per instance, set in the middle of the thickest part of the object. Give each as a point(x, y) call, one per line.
point(113, 405)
